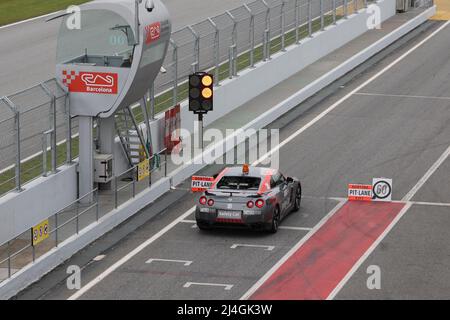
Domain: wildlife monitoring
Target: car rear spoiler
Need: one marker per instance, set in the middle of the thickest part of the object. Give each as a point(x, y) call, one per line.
point(230, 193)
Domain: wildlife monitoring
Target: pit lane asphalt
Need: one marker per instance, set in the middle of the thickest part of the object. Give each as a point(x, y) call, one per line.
point(366, 136)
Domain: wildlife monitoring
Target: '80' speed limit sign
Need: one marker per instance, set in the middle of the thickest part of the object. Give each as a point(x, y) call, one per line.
point(382, 189)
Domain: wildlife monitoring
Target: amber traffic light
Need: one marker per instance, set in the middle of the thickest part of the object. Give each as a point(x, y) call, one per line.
point(201, 92)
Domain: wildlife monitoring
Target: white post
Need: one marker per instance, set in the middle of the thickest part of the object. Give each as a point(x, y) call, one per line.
point(86, 158)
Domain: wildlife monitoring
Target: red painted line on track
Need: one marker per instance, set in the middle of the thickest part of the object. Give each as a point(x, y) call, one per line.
point(318, 266)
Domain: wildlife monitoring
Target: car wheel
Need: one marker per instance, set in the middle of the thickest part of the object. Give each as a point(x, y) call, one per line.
point(275, 220)
point(203, 225)
point(298, 199)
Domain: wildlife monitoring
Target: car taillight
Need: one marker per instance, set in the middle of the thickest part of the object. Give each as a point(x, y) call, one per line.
point(259, 203)
point(210, 202)
point(250, 204)
point(202, 200)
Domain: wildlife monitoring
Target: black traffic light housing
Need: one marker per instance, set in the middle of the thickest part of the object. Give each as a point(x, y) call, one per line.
point(201, 92)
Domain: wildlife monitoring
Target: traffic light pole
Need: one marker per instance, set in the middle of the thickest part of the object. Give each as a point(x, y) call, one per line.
point(200, 129)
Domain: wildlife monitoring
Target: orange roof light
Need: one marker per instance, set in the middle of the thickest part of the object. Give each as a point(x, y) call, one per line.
point(245, 169)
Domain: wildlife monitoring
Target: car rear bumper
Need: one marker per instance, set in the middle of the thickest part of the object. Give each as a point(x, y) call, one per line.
point(253, 220)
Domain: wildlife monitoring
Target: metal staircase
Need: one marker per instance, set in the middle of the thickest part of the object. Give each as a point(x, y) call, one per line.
point(131, 136)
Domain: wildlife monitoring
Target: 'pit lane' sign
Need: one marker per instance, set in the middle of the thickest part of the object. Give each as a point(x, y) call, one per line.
point(200, 184)
point(379, 190)
point(360, 192)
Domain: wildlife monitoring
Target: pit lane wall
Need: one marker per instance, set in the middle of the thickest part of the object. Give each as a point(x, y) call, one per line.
point(232, 94)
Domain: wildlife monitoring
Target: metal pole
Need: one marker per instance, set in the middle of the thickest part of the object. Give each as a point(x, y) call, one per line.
point(77, 220)
point(234, 43)
point(322, 20)
point(165, 162)
point(309, 19)
point(230, 62)
point(18, 157)
point(53, 126)
point(283, 22)
point(200, 127)
point(134, 182)
point(266, 45)
point(44, 154)
point(345, 9)
point(216, 52)
point(17, 130)
point(151, 94)
point(196, 63)
point(54, 155)
point(297, 22)
point(115, 193)
point(365, 4)
point(175, 72)
point(355, 6)
point(96, 206)
point(251, 36)
point(267, 29)
point(56, 229)
point(33, 250)
point(9, 259)
point(334, 11)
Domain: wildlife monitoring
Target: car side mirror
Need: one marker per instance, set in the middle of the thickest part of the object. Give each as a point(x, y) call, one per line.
point(215, 176)
point(289, 180)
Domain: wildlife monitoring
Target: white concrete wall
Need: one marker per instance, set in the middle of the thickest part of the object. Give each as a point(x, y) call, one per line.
point(40, 199)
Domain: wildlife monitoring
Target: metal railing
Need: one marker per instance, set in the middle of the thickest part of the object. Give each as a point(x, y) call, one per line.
point(130, 185)
point(38, 118)
point(19, 252)
point(33, 121)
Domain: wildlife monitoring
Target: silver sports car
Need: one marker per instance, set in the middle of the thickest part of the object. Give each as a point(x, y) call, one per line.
point(248, 196)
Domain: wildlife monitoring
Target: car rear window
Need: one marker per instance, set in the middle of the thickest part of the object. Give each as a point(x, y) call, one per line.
point(239, 183)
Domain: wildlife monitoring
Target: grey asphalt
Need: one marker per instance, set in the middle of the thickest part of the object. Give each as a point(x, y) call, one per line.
point(364, 137)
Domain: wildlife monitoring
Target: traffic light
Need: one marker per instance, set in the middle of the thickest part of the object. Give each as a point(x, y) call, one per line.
point(201, 92)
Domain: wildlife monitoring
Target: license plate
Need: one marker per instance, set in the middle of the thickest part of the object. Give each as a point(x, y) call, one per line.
point(228, 214)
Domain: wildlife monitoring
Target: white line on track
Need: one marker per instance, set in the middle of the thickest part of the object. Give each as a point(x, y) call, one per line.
point(29, 20)
point(236, 245)
point(295, 228)
point(427, 175)
point(226, 286)
point(188, 221)
point(185, 262)
point(400, 96)
point(141, 247)
point(424, 203)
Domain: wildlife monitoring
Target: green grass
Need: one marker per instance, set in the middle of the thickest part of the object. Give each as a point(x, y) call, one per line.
point(16, 10)
point(33, 168)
